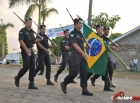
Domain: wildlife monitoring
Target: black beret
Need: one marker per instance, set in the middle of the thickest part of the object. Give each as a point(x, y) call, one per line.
point(42, 26)
point(27, 19)
point(98, 26)
point(76, 20)
point(66, 30)
point(106, 27)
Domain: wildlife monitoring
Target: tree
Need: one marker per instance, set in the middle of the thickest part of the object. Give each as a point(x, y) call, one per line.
point(57, 50)
point(33, 5)
point(3, 33)
point(115, 35)
point(46, 12)
point(105, 20)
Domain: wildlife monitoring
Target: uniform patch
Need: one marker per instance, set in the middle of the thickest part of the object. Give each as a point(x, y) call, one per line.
point(72, 35)
point(63, 41)
point(20, 32)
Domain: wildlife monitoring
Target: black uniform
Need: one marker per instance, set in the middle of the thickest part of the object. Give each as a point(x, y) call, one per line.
point(65, 54)
point(28, 61)
point(76, 61)
point(44, 57)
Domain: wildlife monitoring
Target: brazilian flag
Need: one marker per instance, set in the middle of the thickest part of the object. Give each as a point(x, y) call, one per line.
point(97, 55)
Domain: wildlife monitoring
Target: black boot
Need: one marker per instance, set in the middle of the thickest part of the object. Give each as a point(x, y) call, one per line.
point(64, 87)
point(17, 81)
point(32, 86)
point(113, 86)
point(86, 92)
point(55, 77)
point(49, 82)
point(92, 81)
point(73, 81)
point(106, 87)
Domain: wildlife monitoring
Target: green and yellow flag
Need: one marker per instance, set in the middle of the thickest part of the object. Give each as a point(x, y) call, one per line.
point(97, 55)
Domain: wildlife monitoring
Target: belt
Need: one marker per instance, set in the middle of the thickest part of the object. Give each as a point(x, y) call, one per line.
point(67, 52)
point(30, 48)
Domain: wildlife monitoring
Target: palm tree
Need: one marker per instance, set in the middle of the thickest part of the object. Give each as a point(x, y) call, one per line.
point(34, 4)
point(46, 12)
point(5, 26)
point(3, 38)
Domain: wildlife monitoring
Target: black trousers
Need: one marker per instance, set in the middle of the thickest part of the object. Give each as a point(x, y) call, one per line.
point(110, 70)
point(41, 69)
point(65, 59)
point(96, 76)
point(77, 62)
point(44, 58)
point(28, 63)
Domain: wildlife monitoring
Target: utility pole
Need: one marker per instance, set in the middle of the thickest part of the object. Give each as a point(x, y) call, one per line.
point(90, 13)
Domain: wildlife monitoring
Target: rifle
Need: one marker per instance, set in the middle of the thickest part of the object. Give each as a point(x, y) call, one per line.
point(62, 27)
point(104, 36)
point(46, 36)
point(24, 23)
point(81, 35)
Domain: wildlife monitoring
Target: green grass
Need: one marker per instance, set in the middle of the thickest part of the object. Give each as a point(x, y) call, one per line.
point(126, 74)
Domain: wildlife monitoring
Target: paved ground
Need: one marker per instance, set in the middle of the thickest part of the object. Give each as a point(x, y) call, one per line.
point(9, 93)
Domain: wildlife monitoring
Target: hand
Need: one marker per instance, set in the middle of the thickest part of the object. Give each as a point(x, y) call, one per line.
point(47, 51)
point(115, 48)
point(84, 55)
point(41, 38)
point(28, 51)
point(88, 46)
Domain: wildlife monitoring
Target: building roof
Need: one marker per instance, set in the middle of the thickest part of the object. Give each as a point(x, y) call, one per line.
point(127, 33)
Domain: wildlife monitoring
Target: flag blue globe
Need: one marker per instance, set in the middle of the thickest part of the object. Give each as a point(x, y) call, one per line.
point(96, 47)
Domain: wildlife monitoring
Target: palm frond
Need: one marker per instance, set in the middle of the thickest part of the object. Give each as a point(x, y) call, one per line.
point(5, 26)
point(13, 3)
point(31, 10)
point(46, 12)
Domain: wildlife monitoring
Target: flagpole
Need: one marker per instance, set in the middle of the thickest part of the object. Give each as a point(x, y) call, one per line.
point(118, 57)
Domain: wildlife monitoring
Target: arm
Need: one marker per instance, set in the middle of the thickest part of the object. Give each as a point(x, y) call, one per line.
point(52, 46)
point(38, 40)
point(79, 50)
point(114, 48)
point(25, 48)
point(42, 47)
point(67, 48)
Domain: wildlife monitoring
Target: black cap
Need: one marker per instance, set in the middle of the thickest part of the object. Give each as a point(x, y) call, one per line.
point(106, 28)
point(76, 20)
point(66, 30)
point(27, 19)
point(98, 26)
point(42, 26)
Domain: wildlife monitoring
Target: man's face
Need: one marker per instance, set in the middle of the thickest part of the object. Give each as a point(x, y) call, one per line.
point(100, 30)
point(29, 23)
point(67, 34)
point(43, 30)
point(79, 24)
point(106, 32)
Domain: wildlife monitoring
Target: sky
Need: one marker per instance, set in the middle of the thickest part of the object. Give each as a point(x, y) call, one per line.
point(128, 10)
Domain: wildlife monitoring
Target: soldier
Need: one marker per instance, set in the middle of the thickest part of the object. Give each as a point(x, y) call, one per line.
point(99, 29)
point(109, 63)
point(64, 44)
point(26, 40)
point(77, 59)
point(43, 55)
